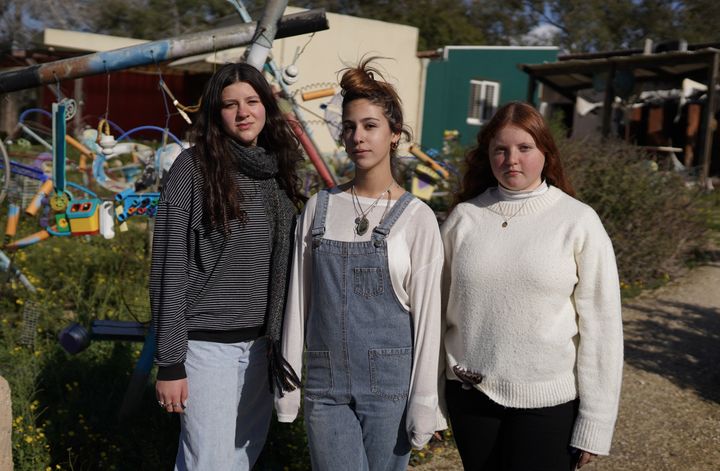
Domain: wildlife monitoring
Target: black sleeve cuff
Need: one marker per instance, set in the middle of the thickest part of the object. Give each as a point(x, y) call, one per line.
point(171, 372)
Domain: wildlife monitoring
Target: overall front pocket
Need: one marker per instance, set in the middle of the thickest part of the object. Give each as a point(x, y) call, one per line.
point(319, 378)
point(390, 372)
point(368, 282)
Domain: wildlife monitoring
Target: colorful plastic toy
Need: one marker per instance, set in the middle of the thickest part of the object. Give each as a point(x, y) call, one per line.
point(136, 204)
point(84, 217)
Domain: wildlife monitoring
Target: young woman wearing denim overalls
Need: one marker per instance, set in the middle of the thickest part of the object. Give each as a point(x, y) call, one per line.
point(364, 301)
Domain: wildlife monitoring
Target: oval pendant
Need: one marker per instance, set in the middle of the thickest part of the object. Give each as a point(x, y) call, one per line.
point(361, 225)
point(504, 224)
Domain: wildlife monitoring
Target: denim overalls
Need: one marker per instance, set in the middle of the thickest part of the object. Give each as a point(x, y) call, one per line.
point(359, 353)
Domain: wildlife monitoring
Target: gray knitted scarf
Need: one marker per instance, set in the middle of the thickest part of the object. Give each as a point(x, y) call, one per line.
point(262, 166)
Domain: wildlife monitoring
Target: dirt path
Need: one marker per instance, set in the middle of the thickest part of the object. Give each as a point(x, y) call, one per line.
point(670, 406)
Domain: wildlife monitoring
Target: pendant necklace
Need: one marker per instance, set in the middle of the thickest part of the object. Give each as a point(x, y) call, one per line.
point(361, 221)
point(507, 218)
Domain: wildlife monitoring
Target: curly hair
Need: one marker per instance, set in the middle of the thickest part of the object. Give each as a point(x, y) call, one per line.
point(223, 200)
point(478, 175)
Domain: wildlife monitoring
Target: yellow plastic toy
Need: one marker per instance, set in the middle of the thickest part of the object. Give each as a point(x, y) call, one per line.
point(84, 217)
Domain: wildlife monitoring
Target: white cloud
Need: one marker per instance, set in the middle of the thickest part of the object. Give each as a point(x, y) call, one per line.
point(543, 34)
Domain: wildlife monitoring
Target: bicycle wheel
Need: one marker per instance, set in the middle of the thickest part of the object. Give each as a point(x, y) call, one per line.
point(4, 172)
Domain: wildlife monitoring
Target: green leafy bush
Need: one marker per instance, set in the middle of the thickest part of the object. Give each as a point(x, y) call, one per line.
point(65, 407)
point(651, 215)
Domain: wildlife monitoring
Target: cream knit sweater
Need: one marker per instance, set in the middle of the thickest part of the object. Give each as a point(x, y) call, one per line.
point(535, 307)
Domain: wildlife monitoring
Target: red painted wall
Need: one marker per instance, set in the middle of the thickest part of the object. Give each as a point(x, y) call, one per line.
point(135, 100)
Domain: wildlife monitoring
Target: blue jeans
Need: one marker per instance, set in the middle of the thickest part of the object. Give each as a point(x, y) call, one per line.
point(229, 406)
point(359, 353)
point(367, 435)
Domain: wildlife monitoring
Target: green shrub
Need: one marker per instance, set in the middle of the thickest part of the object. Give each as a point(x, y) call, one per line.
point(651, 215)
point(65, 407)
point(286, 447)
point(81, 396)
point(20, 367)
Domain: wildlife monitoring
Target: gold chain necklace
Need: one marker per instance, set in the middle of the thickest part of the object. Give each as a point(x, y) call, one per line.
point(507, 218)
point(361, 221)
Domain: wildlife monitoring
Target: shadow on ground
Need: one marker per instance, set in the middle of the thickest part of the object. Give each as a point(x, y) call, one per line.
point(678, 341)
point(80, 396)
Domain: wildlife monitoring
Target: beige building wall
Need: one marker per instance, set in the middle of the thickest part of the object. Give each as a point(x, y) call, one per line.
point(346, 42)
point(80, 41)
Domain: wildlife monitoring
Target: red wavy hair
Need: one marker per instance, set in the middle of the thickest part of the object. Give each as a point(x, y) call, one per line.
point(478, 175)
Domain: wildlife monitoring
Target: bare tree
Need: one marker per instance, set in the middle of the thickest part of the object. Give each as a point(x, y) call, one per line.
point(22, 20)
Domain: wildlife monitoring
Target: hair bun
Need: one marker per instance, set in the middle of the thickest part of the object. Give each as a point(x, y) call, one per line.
point(359, 82)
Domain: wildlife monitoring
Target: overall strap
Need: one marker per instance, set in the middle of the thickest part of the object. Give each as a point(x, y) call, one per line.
point(318, 228)
point(383, 229)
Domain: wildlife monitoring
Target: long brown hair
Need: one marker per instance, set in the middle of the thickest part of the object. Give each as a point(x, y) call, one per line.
point(478, 175)
point(359, 82)
point(223, 200)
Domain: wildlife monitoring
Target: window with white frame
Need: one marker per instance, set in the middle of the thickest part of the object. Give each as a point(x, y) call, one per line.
point(484, 97)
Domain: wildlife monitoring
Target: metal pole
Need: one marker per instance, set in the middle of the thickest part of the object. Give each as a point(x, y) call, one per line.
point(531, 90)
point(156, 51)
point(297, 122)
point(265, 33)
point(313, 154)
point(79, 97)
point(308, 141)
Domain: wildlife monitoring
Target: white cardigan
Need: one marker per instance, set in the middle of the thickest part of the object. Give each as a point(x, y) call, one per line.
point(415, 259)
point(534, 307)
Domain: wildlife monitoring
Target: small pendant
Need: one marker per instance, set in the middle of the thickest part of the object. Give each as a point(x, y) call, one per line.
point(504, 224)
point(361, 225)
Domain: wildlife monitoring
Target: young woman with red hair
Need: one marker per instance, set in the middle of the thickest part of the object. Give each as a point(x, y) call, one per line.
point(533, 330)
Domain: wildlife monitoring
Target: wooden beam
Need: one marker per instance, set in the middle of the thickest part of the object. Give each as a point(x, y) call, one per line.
point(628, 62)
point(531, 90)
point(561, 90)
point(608, 102)
point(707, 121)
point(658, 73)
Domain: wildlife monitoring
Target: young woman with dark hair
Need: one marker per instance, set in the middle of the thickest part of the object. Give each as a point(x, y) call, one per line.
point(221, 254)
point(364, 300)
point(533, 329)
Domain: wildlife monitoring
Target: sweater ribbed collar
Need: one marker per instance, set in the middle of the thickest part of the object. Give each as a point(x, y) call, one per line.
point(503, 194)
point(535, 203)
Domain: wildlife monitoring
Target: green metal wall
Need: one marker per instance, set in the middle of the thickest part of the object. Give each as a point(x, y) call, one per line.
point(447, 87)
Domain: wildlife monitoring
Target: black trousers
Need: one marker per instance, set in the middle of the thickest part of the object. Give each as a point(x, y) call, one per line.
point(491, 437)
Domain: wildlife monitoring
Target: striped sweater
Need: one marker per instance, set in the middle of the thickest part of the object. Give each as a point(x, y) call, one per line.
point(204, 286)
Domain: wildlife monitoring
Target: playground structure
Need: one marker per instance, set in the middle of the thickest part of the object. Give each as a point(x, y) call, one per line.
point(87, 216)
point(130, 171)
point(71, 209)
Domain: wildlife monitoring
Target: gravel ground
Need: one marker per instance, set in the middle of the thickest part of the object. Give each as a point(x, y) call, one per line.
point(670, 406)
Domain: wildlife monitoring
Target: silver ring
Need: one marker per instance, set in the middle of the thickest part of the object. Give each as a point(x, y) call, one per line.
point(161, 403)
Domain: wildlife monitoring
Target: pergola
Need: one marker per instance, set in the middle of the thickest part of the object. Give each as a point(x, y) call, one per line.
point(578, 72)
